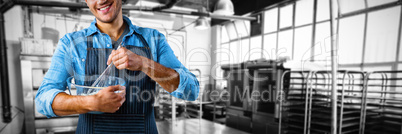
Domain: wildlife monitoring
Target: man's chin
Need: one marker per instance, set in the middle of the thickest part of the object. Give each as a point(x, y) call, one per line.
point(105, 20)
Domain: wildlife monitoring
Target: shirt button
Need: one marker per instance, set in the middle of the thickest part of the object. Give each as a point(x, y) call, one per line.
point(83, 60)
point(108, 45)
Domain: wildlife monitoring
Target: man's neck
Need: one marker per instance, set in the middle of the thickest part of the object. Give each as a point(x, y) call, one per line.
point(114, 29)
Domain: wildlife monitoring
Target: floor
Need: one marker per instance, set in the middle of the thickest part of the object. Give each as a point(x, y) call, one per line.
point(195, 126)
point(183, 126)
point(16, 124)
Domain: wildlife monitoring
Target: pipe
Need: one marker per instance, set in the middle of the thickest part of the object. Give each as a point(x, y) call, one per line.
point(50, 3)
point(125, 7)
point(334, 67)
point(168, 5)
point(5, 6)
point(5, 85)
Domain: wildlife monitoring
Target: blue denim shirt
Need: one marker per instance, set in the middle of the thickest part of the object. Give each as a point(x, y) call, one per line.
point(70, 55)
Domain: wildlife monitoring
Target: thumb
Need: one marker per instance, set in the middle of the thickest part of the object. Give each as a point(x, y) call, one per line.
point(109, 60)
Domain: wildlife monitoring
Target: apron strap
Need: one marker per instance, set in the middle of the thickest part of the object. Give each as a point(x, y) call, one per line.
point(144, 42)
point(89, 42)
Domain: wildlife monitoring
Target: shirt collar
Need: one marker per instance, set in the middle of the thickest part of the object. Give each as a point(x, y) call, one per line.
point(93, 29)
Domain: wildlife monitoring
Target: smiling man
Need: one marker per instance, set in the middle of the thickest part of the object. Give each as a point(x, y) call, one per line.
point(144, 59)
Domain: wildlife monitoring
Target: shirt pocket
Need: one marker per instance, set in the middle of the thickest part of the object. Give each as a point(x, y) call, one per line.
point(78, 65)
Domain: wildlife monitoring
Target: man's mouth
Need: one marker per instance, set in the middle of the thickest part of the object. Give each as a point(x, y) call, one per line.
point(105, 8)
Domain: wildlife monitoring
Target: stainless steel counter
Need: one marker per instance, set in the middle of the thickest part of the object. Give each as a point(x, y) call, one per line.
point(195, 126)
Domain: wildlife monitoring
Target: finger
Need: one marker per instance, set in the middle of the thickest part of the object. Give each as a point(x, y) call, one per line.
point(119, 100)
point(109, 60)
point(121, 54)
point(117, 56)
point(121, 61)
point(122, 89)
point(112, 88)
point(123, 100)
point(122, 66)
point(121, 93)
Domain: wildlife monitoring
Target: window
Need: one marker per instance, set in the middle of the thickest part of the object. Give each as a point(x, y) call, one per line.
point(224, 36)
point(270, 46)
point(234, 49)
point(377, 68)
point(255, 48)
point(243, 28)
point(286, 16)
point(271, 20)
point(382, 34)
point(231, 31)
point(245, 48)
point(356, 68)
point(400, 48)
point(322, 45)
point(287, 33)
point(399, 75)
point(351, 5)
point(304, 12)
point(225, 54)
point(322, 10)
point(302, 46)
point(285, 44)
point(351, 33)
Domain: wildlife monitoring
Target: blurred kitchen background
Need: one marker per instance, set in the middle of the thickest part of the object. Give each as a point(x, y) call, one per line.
point(264, 66)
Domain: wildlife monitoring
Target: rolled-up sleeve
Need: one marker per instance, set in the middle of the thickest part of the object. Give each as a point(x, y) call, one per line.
point(188, 88)
point(54, 81)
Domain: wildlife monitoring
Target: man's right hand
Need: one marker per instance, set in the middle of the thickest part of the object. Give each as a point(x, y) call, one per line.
point(107, 100)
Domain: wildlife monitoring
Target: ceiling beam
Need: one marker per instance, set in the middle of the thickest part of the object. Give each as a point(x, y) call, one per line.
point(193, 4)
point(155, 15)
point(6, 5)
point(127, 7)
point(50, 3)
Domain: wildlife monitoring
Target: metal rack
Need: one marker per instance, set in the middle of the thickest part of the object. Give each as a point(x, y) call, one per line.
point(182, 108)
point(305, 102)
point(194, 109)
point(383, 103)
point(163, 105)
point(31, 80)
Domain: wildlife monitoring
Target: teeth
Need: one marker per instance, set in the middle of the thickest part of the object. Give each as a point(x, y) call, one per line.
point(104, 8)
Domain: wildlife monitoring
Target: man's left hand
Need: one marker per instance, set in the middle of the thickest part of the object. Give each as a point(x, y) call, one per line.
point(125, 59)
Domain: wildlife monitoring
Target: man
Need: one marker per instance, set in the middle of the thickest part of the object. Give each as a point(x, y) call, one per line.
point(144, 58)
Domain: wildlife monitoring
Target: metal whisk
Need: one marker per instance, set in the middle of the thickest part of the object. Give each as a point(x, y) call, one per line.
point(102, 80)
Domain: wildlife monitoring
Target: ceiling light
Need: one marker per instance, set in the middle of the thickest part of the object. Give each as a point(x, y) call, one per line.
point(224, 7)
point(202, 23)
